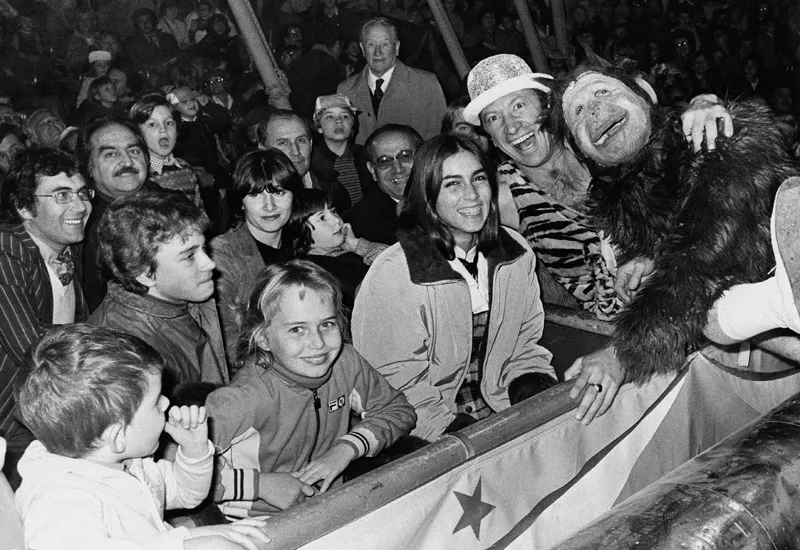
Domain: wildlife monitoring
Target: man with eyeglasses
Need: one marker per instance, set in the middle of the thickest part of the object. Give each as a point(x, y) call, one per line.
point(46, 204)
point(9, 116)
point(390, 154)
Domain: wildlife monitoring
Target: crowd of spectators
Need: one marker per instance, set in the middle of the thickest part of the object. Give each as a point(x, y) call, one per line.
point(162, 95)
point(82, 59)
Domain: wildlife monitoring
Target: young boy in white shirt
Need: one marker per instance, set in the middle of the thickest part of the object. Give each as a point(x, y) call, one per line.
point(93, 400)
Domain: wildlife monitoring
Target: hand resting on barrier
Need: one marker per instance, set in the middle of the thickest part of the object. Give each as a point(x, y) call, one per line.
point(328, 466)
point(599, 377)
point(246, 533)
point(283, 490)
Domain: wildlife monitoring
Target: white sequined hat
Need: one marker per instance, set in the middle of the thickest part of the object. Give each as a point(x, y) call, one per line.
point(495, 77)
point(99, 55)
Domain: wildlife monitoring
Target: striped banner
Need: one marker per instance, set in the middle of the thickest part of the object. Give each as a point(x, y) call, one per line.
point(543, 486)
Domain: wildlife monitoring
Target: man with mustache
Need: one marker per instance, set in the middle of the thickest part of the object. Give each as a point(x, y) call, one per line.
point(46, 203)
point(113, 159)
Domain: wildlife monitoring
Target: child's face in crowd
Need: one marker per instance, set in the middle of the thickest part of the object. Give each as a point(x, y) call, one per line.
point(336, 124)
point(304, 335)
point(184, 270)
point(100, 68)
point(107, 93)
point(160, 131)
point(187, 107)
point(268, 212)
point(327, 229)
point(144, 430)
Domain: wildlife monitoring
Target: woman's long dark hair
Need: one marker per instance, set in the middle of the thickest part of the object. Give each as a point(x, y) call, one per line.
point(418, 208)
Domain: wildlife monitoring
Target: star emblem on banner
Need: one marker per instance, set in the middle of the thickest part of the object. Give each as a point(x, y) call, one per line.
point(474, 511)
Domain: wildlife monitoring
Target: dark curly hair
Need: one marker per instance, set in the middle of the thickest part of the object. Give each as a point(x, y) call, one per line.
point(133, 229)
point(18, 192)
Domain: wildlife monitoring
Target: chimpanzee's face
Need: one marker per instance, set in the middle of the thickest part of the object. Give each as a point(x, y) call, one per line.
point(609, 121)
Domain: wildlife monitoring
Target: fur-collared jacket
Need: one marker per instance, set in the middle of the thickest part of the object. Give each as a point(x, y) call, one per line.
point(702, 218)
point(413, 322)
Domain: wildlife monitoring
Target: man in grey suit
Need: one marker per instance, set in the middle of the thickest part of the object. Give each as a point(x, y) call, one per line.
point(388, 90)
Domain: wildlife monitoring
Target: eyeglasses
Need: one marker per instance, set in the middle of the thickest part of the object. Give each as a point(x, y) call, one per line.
point(405, 157)
point(68, 195)
point(217, 80)
point(16, 120)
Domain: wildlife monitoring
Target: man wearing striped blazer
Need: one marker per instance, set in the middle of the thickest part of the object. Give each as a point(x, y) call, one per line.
point(45, 206)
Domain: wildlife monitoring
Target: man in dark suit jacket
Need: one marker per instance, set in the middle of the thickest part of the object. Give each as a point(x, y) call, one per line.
point(389, 91)
point(317, 73)
point(390, 150)
point(114, 160)
point(149, 48)
point(46, 206)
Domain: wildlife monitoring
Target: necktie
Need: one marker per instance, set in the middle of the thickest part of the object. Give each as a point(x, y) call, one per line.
point(377, 96)
point(472, 267)
point(64, 266)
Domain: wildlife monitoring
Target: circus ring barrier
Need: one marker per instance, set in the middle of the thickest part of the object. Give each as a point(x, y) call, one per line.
point(531, 476)
point(741, 493)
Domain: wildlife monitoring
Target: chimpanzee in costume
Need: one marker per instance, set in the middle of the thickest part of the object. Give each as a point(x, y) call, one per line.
point(704, 219)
